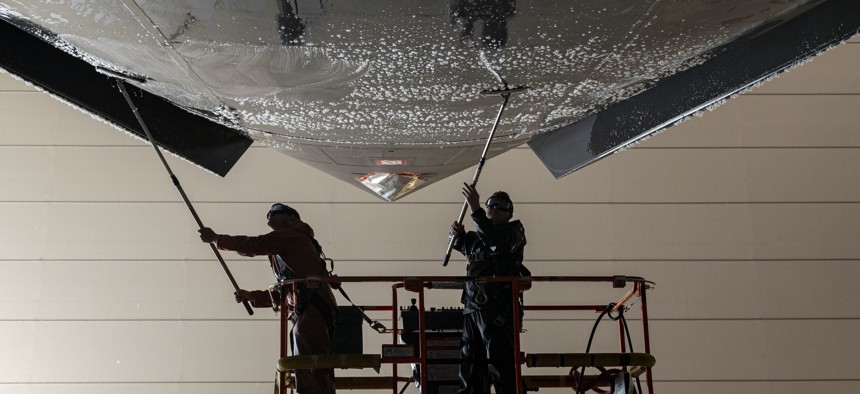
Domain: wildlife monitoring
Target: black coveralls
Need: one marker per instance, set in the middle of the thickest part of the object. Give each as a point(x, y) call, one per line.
point(487, 344)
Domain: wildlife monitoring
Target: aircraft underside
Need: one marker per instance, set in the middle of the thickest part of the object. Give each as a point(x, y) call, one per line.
point(386, 94)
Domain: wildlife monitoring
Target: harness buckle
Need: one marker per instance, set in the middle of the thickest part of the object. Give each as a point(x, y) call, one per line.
point(276, 301)
point(378, 327)
point(481, 296)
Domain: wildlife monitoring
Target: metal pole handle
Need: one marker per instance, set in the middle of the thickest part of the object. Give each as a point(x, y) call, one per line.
point(176, 183)
point(481, 162)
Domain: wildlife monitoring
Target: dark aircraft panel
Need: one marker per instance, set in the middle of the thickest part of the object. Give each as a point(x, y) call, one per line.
point(203, 142)
point(732, 68)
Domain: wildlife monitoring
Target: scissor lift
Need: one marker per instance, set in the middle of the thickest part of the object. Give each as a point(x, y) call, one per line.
point(625, 364)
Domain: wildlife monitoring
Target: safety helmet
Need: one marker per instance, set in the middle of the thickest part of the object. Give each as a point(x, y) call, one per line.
point(282, 209)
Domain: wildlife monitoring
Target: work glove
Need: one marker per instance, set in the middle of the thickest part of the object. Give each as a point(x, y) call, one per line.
point(207, 235)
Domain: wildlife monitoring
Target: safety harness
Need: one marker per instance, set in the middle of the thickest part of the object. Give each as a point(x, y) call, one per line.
point(326, 261)
point(309, 295)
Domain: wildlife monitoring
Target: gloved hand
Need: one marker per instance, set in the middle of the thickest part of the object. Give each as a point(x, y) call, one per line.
point(243, 295)
point(207, 235)
point(473, 198)
point(457, 229)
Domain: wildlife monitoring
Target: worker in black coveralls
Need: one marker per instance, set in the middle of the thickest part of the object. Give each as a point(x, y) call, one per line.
point(495, 248)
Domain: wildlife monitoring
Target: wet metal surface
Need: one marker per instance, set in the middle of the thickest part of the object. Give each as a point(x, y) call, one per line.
point(342, 83)
point(739, 65)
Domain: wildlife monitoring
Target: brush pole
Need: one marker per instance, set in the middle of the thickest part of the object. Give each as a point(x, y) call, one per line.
point(477, 175)
point(181, 191)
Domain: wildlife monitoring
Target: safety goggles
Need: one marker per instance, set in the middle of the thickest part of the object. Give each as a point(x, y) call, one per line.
point(500, 204)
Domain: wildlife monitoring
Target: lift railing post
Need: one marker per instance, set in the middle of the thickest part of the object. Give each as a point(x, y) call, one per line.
point(515, 306)
point(623, 346)
point(285, 343)
point(422, 339)
point(394, 329)
point(643, 290)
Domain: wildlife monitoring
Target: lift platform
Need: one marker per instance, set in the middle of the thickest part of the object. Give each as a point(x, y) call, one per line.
point(427, 340)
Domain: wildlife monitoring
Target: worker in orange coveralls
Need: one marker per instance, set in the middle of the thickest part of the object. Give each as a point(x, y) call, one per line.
point(293, 254)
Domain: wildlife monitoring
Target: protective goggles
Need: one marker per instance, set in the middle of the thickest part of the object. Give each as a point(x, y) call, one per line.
point(500, 204)
point(280, 209)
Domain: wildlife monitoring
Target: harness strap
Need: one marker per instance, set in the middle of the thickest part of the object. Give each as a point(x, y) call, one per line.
point(374, 324)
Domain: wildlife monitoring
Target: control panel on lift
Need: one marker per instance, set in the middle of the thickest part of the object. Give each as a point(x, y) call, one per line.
point(443, 329)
